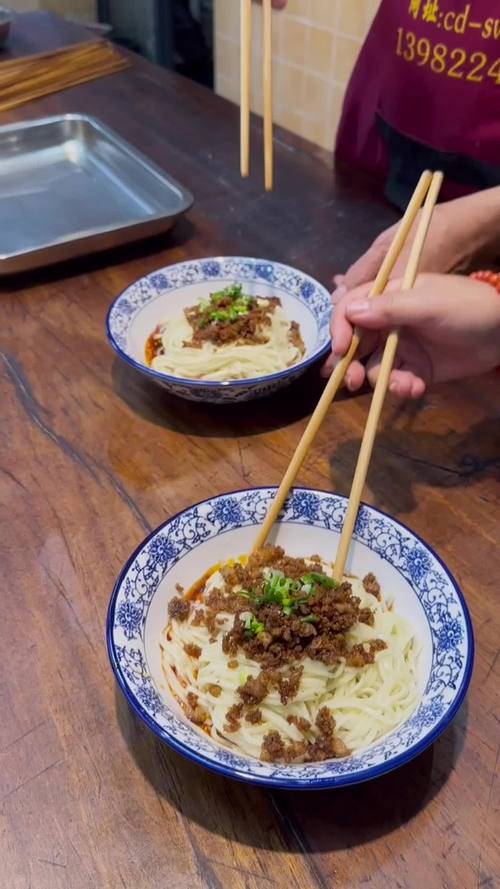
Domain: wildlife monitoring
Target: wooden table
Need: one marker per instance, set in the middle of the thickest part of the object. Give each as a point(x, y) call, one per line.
point(93, 457)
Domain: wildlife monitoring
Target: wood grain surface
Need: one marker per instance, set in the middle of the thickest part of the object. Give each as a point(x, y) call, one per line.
point(93, 457)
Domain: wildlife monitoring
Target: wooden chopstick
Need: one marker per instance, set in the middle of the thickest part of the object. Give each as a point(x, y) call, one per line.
point(246, 55)
point(267, 88)
point(267, 83)
point(382, 385)
point(338, 374)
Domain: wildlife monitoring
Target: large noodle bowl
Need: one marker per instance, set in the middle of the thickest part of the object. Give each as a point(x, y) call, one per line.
point(230, 336)
point(272, 658)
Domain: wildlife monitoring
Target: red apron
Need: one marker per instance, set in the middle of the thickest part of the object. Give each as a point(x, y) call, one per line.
point(429, 69)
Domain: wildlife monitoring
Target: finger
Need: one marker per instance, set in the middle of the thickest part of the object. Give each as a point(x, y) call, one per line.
point(340, 290)
point(406, 384)
point(403, 381)
point(327, 367)
point(392, 309)
point(375, 360)
point(366, 347)
point(355, 376)
point(341, 331)
point(340, 328)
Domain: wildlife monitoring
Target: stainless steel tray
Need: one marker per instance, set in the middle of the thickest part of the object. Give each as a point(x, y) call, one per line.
point(69, 186)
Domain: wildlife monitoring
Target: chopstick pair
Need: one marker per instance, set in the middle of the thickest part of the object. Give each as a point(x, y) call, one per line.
point(427, 188)
point(267, 85)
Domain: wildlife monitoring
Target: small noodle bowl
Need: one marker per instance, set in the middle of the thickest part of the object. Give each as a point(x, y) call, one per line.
point(164, 294)
point(409, 572)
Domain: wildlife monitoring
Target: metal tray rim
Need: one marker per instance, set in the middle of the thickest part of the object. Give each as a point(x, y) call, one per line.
point(126, 147)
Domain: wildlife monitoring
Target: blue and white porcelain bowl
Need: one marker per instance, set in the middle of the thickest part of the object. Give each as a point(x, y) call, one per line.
point(165, 293)
point(407, 568)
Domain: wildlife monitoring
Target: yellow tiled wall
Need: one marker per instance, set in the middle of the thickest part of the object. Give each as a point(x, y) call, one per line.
point(315, 45)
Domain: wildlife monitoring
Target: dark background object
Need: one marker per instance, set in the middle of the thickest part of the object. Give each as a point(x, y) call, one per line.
point(174, 33)
point(5, 23)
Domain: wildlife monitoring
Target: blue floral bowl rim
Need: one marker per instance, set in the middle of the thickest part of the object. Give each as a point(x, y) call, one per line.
point(328, 783)
point(214, 384)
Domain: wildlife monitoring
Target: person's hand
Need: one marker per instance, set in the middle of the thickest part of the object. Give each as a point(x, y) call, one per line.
point(459, 230)
point(449, 328)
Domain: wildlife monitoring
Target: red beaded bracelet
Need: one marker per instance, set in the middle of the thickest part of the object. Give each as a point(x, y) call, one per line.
point(492, 278)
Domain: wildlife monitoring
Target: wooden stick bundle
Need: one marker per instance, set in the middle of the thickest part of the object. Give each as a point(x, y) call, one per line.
point(31, 77)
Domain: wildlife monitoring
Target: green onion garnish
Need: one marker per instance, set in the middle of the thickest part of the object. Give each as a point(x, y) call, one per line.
point(320, 579)
point(253, 626)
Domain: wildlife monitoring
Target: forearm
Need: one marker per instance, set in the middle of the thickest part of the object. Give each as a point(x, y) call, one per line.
point(481, 222)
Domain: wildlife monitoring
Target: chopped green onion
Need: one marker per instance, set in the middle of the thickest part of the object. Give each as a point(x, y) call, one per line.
point(253, 626)
point(210, 310)
point(219, 315)
point(310, 619)
point(320, 579)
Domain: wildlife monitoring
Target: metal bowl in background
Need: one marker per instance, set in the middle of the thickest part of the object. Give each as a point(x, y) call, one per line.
point(6, 16)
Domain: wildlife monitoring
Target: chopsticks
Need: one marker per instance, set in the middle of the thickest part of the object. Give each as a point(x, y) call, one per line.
point(382, 384)
point(245, 59)
point(338, 374)
point(31, 77)
point(267, 86)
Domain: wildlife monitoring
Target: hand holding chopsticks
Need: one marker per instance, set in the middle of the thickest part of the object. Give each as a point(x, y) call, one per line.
point(382, 384)
point(335, 380)
point(246, 59)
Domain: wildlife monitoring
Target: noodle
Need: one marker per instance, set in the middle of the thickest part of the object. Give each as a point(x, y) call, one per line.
point(365, 702)
point(229, 337)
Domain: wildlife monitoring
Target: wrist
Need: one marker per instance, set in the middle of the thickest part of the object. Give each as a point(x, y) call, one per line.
point(481, 214)
point(493, 279)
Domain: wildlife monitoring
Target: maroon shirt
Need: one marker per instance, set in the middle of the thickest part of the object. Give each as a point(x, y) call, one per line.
point(428, 78)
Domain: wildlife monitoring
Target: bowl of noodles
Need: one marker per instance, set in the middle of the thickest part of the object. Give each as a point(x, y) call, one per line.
point(262, 668)
point(222, 329)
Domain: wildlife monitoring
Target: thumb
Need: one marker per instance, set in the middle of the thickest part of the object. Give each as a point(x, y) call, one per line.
point(396, 309)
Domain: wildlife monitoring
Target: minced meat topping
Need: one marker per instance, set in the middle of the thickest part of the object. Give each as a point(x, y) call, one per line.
point(230, 316)
point(324, 744)
point(178, 609)
point(227, 316)
point(283, 610)
point(372, 585)
point(286, 609)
